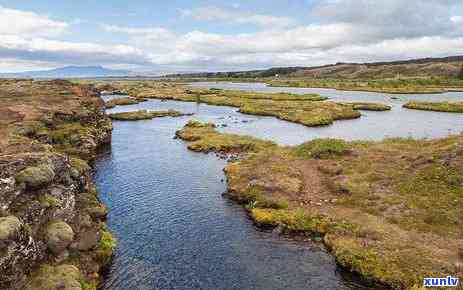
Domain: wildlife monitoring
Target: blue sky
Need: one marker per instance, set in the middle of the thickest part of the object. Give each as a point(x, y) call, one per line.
point(184, 35)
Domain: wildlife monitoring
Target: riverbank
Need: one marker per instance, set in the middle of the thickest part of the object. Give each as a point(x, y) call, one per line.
point(390, 210)
point(52, 225)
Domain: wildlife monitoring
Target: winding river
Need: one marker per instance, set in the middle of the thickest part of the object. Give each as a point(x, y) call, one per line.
point(176, 231)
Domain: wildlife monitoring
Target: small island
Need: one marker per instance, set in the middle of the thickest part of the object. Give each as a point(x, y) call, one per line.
point(123, 102)
point(145, 115)
point(456, 107)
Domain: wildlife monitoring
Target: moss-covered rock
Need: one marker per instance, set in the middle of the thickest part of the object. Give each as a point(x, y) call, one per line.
point(78, 167)
point(58, 236)
point(9, 227)
point(98, 212)
point(62, 277)
point(36, 176)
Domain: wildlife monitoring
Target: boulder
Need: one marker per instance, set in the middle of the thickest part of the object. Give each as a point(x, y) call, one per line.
point(98, 212)
point(58, 237)
point(9, 227)
point(35, 177)
point(88, 240)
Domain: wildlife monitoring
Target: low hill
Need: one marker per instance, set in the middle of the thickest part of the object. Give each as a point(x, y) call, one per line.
point(448, 67)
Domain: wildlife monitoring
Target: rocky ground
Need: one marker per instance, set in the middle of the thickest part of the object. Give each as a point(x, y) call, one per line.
point(52, 230)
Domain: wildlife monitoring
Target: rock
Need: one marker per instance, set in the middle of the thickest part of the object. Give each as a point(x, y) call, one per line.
point(36, 176)
point(62, 277)
point(78, 167)
point(98, 212)
point(88, 240)
point(58, 237)
point(9, 227)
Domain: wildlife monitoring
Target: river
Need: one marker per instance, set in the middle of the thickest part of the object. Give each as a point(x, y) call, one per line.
point(176, 231)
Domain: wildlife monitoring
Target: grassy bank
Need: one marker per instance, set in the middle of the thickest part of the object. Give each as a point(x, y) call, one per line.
point(390, 86)
point(390, 211)
point(435, 106)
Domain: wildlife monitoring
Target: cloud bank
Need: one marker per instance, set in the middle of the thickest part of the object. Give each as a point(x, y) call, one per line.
point(338, 30)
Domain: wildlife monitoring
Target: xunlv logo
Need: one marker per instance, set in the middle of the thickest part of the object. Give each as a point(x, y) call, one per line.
point(440, 282)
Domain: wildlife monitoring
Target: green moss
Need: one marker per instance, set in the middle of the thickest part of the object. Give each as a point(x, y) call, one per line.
point(322, 148)
point(78, 167)
point(106, 246)
point(58, 236)
point(88, 285)
point(36, 176)
point(370, 106)
point(48, 200)
point(55, 277)
point(9, 227)
point(298, 220)
point(435, 106)
point(67, 132)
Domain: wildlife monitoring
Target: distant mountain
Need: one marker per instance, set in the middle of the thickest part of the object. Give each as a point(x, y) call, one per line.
point(72, 72)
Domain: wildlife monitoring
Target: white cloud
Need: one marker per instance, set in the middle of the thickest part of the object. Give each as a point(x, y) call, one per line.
point(346, 30)
point(41, 49)
point(234, 15)
point(24, 23)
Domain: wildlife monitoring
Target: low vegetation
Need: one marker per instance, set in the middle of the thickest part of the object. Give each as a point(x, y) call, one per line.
point(369, 106)
point(123, 102)
point(390, 86)
point(144, 115)
point(435, 106)
point(390, 211)
point(309, 110)
point(321, 148)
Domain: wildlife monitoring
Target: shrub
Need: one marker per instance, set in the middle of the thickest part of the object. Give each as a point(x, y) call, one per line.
point(322, 148)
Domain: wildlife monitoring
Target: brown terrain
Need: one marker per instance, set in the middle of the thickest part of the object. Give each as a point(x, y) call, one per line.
point(52, 230)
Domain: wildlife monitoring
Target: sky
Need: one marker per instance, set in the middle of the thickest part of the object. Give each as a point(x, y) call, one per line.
point(180, 35)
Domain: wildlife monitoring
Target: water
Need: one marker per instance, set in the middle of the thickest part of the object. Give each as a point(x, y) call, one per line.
point(399, 122)
point(176, 231)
